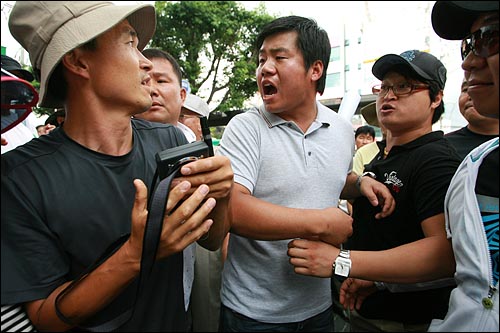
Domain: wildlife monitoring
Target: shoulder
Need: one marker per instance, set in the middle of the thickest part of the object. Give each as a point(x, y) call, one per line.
point(435, 144)
point(248, 121)
point(141, 124)
point(329, 116)
point(370, 149)
point(147, 129)
point(251, 115)
point(458, 133)
point(44, 146)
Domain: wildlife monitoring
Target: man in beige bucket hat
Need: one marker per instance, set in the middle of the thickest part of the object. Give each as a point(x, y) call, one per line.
point(73, 192)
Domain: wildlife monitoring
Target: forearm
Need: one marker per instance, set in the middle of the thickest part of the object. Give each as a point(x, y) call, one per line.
point(89, 296)
point(419, 286)
point(427, 259)
point(258, 219)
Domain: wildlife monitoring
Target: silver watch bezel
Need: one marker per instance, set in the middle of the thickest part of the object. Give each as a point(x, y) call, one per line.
point(343, 263)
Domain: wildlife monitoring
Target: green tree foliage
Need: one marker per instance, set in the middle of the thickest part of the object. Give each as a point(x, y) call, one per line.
point(213, 42)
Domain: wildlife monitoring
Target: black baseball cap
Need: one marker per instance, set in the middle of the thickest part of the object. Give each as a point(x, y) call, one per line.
point(12, 65)
point(453, 19)
point(423, 65)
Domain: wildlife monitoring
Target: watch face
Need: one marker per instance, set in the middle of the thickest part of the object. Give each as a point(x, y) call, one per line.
point(342, 266)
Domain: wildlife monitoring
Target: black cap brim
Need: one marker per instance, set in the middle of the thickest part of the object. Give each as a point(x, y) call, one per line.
point(388, 62)
point(453, 19)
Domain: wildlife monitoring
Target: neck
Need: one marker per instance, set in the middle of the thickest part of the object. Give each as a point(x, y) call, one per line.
point(100, 130)
point(303, 116)
point(489, 127)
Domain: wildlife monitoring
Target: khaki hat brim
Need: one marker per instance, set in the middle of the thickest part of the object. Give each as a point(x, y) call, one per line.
point(369, 112)
point(86, 27)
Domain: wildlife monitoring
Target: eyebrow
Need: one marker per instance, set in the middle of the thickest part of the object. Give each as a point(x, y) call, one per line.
point(130, 31)
point(275, 50)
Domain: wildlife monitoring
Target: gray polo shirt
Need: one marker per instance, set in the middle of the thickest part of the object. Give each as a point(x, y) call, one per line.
point(280, 164)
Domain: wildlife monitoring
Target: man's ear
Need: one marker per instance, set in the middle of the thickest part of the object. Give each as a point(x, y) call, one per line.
point(317, 70)
point(438, 100)
point(183, 93)
point(76, 62)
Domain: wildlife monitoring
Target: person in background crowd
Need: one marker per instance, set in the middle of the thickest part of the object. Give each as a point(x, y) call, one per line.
point(56, 119)
point(14, 317)
point(87, 58)
point(471, 204)
point(167, 93)
point(20, 134)
point(478, 130)
point(193, 108)
point(365, 154)
point(364, 135)
point(14, 67)
point(409, 245)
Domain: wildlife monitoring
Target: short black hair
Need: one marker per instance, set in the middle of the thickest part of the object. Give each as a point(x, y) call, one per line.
point(312, 41)
point(365, 130)
point(160, 54)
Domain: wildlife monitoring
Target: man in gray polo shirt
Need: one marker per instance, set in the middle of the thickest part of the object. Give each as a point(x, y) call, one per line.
point(290, 159)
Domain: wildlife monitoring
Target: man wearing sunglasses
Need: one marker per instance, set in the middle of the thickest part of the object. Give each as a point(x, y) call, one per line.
point(471, 204)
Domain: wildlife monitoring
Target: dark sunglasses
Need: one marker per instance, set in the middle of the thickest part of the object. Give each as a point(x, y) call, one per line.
point(483, 42)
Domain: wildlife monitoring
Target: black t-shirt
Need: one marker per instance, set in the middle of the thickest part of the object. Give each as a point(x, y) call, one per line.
point(63, 205)
point(464, 140)
point(417, 174)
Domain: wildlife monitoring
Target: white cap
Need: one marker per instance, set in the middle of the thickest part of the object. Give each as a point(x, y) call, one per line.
point(196, 104)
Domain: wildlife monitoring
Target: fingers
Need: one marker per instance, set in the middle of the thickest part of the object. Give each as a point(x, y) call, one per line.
point(187, 223)
point(214, 171)
point(388, 207)
point(139, 217)
point(139, 210)
point(176, 194)
point(379, 195)
point(347, 295)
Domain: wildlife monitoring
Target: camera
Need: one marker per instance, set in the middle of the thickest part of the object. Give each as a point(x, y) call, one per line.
point(170, 160)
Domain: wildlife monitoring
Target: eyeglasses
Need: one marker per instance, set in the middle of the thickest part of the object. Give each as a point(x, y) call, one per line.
point(483, 42)
point(400, 89)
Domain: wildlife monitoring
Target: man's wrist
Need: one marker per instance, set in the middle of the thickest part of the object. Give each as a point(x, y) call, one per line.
point(360, 177)
point(342, 265)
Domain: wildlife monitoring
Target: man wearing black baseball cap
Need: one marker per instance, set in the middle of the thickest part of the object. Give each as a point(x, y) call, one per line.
point(416, 164)
point(471, 204)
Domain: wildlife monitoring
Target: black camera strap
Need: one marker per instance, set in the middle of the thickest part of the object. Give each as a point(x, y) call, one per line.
point(151, 239)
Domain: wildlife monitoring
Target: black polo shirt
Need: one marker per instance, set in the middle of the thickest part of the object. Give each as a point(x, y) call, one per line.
point(418, 174)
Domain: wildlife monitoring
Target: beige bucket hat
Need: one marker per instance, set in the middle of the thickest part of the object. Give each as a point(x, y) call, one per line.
point(50, 29)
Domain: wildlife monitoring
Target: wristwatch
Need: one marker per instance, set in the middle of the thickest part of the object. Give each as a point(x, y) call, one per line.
point(342, 265)
point(367, 173)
